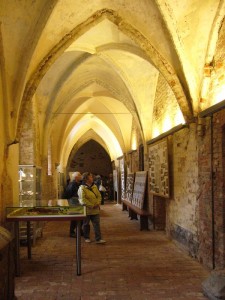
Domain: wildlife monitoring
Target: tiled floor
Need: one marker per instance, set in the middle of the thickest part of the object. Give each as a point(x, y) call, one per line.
point(132, 265)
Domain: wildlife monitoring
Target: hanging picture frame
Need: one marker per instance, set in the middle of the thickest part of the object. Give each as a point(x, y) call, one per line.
point(138, 196)
point(129, 186)
point(159, 169)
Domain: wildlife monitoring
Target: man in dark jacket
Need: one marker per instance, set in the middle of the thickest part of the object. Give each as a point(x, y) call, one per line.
point(71, 195)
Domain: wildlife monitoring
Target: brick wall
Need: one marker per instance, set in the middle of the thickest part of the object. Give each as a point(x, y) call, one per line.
point(182, 208)
point(30, 138)
point(164, 101)
point(212, 203)
point(159, 213)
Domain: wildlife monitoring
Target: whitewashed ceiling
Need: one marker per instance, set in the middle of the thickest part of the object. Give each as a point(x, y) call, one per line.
point(92, 66)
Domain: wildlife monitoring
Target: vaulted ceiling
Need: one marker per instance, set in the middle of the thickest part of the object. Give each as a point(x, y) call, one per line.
point(92, 67)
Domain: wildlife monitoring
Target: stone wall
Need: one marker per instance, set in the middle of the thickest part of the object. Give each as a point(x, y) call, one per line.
point(182, 207)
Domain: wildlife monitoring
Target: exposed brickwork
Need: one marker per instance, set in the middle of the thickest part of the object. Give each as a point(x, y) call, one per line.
point(205, 209)
point(218, 183)
point(164, 100)
point(159, 213)
point(30, 139)
point(212, 233)
point(134, 161)
point(26, 141)
point(183, 206)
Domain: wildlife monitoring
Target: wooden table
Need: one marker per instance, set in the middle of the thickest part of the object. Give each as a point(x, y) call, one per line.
point(45, 213)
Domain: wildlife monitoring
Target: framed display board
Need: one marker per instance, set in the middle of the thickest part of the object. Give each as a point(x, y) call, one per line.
point(139, 189)
point(123, 179)
point(159, 169)
point(129, 186)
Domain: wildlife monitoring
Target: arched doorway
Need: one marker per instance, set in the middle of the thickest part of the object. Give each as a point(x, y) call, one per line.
point(90, 157)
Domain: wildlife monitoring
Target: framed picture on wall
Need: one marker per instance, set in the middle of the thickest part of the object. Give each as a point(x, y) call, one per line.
point(129, 186)
point(122, 175)
point(159, 169)
point(138, 196)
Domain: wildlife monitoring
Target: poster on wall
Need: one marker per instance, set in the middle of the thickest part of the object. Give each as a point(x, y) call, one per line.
point(129, 186)
point(122, 178)
point(139, 189)
point(159, 169)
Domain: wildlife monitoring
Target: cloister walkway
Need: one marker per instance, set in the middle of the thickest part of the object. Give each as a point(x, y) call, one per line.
point(132, 265)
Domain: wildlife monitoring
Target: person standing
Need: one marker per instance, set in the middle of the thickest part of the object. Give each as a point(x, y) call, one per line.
point(72, 196)
point(90, 196)
point(110, 187)
point(98, 182)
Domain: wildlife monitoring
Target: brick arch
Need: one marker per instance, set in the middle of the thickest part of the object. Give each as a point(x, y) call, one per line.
point(154, 56)
point(223, 189)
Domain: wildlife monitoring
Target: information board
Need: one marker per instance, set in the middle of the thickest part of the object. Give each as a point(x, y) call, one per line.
point(122, 178)
point(129, 186)
point(159, 169)
point(139, 189)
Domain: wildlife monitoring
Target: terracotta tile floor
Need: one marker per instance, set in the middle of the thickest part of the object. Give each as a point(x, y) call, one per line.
point(132, 265)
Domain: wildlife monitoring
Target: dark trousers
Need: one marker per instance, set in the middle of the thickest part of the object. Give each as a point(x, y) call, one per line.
point(95, 220)
point(73, 226)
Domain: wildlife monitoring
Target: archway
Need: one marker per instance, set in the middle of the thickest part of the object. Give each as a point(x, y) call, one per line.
point(90, 157)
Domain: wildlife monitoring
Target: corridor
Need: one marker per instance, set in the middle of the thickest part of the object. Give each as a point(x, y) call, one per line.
point(132, 265)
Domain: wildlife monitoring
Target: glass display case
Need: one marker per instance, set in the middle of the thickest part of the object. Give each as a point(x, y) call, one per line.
point(50, 212)
point(29, 185)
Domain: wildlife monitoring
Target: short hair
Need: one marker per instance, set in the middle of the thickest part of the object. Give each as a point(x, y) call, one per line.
point(85, 175)
point(74, 175)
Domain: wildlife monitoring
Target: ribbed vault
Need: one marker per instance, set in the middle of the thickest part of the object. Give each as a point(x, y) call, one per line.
point(100, 70)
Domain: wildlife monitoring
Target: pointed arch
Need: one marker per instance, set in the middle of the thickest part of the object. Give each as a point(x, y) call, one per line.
point(154, 56)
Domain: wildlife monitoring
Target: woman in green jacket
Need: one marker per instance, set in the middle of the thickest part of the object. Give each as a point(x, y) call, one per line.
point(90, 196)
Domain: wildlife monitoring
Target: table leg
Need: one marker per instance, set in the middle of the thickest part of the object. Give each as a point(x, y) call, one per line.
point(78, 247)
point(17, 247)
point(28, 240)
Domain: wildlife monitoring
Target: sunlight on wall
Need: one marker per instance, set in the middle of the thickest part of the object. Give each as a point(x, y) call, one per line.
point(205, 87)
point(221, 95)
point(156, 132)
point(134, 141)
point(168, 123)
point(49, 158)
point(179, 118)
